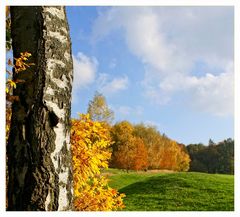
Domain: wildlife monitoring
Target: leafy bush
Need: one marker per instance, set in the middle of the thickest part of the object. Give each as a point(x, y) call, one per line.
point(90, 149)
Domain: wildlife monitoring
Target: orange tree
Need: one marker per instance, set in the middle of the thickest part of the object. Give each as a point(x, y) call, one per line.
point(141, 155)
point(129, 151)
point(90, 149)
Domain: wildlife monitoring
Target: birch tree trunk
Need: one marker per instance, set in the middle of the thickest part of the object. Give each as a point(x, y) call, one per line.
point(38, 150)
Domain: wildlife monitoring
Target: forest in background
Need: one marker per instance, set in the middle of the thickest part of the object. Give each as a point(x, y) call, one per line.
point(143, 147)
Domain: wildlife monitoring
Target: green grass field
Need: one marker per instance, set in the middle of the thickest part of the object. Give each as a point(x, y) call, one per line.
point(147, 191)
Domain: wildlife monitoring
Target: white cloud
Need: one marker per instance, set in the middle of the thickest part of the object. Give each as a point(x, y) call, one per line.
point(124, 111)
point(215, 94)
point(85, 69)
point(155, 124)
point(127, 110)
point(170, 41)
point(109, 86)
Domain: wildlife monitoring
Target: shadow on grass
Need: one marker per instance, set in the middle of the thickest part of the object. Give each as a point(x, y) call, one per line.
point(180, 192)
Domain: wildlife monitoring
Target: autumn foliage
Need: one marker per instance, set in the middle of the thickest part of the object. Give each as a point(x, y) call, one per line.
point(140, 147)
point(129, 152)
point(90, 149)
point(140, 158)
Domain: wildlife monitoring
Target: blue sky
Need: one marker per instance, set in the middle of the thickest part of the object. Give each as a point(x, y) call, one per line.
point(171, 67)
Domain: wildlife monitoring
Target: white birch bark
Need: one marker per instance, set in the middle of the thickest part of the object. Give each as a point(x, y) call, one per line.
point(53, 20)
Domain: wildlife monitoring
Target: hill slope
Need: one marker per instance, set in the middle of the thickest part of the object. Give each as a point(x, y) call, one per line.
point(174, 191)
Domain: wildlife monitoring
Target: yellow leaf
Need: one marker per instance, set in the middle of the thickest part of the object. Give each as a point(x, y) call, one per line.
point(12, 83)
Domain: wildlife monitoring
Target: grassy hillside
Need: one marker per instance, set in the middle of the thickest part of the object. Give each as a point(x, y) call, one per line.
point(174, 191)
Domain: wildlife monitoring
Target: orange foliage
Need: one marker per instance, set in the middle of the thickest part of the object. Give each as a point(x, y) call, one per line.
point(124, 157)
point(90, 149)
point(143, 147)
point(19, 66)
point(98, 196)
point(129, 151)
point(183, 159)
point(140, 160)
point(171, 156)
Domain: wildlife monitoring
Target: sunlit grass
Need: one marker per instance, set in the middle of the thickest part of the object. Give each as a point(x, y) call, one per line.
point(174, 191)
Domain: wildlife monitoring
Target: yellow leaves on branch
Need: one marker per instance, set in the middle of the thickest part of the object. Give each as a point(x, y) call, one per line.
point(89, 146)
point(96, 195)
point(19, 66)
point(11, 83)
point(90, 149)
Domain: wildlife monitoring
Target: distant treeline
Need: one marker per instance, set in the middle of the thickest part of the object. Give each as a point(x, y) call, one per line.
point(142, 147)
point(214, 158)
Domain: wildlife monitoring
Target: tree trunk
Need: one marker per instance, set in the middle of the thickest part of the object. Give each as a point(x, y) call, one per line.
point(38, 150)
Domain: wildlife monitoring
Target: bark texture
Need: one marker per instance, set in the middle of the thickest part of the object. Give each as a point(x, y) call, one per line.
point(39, 155)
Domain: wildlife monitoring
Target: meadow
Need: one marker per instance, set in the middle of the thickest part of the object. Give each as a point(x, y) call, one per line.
point(170, 191)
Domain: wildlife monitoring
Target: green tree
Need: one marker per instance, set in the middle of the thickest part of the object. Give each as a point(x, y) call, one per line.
point(99, 110)
point(226, 152)
point(214, 158)
point(211, 142)
point(197, 155)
